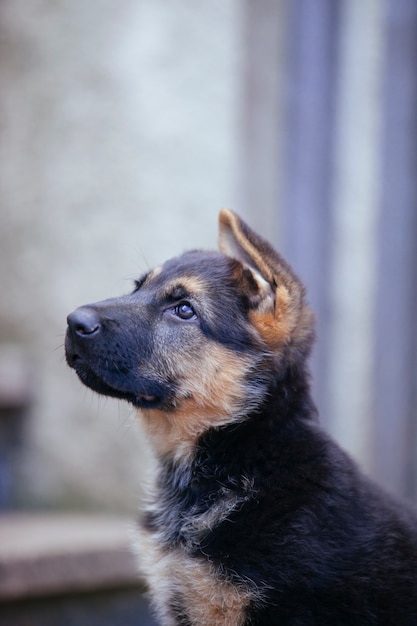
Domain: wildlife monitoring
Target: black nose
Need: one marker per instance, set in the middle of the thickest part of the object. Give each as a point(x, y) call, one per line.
point(84, 322)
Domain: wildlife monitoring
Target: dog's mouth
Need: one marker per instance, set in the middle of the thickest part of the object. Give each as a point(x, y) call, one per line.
point(143, 394)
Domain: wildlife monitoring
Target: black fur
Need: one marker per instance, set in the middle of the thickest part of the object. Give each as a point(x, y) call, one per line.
point(331, 548)
point(320, 542)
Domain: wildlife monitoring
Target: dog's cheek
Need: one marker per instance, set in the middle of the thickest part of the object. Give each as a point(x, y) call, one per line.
point(211, 391)
point(217, 386)
point(176, 353)
point(208, 377)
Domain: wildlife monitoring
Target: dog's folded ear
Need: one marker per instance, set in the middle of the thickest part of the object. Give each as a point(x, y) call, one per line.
point(280, 312)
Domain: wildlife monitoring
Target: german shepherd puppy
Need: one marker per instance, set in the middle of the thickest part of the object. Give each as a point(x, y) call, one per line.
point(256, 516)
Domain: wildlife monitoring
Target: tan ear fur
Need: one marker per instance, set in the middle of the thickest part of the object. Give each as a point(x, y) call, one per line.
point(289, 319)
point(235, 241)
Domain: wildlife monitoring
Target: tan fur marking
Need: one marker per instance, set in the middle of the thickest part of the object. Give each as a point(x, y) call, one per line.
point(208, 598)
point(191, 284)
point(153, 274)
point(233, 242)
point(291, 321)
point(215, 393)
point(275, 327)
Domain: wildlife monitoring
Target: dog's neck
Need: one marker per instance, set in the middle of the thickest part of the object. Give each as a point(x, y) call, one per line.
point(180, 438)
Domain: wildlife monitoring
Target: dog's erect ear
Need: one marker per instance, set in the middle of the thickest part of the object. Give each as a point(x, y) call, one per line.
point(237, 240)
point(281, 315)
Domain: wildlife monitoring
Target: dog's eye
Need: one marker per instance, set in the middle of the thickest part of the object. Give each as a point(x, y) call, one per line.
point(185, 311)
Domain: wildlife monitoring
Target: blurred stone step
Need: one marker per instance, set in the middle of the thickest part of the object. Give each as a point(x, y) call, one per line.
point(68, 569)
point(15, 398)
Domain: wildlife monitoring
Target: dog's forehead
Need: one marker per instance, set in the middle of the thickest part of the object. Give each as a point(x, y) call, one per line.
point(197, 271)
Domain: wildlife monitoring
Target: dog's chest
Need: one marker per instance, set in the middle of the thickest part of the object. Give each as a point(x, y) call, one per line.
point(183, 580)
point(189, 587)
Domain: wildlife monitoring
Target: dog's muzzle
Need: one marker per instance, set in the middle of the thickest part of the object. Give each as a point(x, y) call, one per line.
point(101, 364)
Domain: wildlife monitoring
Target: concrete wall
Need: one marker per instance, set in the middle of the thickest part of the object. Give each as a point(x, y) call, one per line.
point(118, 123)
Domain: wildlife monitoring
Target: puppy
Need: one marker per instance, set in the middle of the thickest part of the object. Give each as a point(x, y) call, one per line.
point(256, 517)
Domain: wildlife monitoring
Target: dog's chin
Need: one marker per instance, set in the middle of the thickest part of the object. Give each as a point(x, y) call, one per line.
point(145, 398)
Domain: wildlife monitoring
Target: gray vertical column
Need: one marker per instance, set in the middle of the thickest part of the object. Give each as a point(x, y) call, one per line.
point(261, 152)
point(331, 143)
point(395, 406)
point(309, 115)
point(355, 212)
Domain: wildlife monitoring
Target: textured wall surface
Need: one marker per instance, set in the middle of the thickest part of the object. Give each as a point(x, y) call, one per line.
point(118, 149)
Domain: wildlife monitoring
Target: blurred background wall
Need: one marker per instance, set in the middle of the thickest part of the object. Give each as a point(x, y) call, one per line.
point(125, 127)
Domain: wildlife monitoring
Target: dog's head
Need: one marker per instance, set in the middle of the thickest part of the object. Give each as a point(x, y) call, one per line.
point(197, 343)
